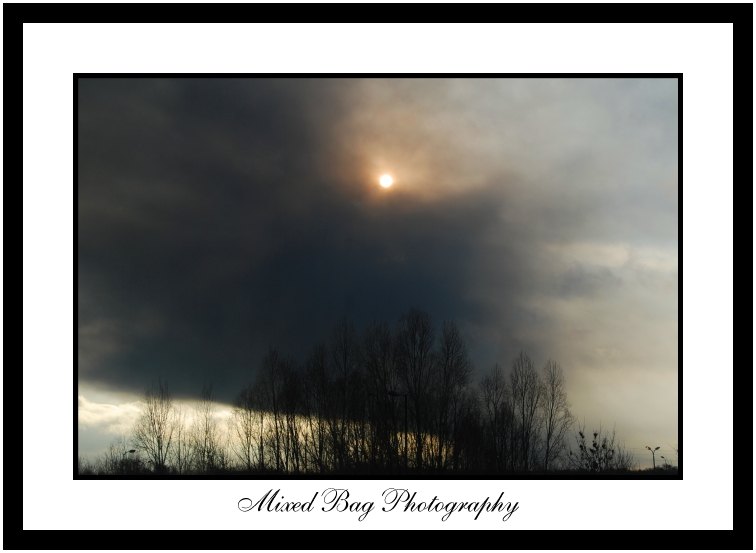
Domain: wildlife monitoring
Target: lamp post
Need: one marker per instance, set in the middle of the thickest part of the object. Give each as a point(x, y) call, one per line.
point(392, 393)
point(123, 458)
point(653, 454)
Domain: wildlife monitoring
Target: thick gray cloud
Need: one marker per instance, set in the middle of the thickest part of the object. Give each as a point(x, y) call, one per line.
point(219, 216)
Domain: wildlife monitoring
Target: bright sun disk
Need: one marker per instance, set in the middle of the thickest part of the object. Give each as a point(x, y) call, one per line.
point(386, 181)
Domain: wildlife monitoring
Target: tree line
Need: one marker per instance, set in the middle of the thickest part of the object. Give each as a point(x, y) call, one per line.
point(388, 400)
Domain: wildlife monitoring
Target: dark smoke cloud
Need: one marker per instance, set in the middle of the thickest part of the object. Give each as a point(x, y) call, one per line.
point(217, 217)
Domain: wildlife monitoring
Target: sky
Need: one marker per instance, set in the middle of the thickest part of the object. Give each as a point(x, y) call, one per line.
point(218, 217)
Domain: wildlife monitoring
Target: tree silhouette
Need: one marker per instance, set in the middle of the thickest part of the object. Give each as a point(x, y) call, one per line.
point(415, 364)
point(387, 401)
point(601, 453)
point(451, 378)
point(244, 422)
point(155, 427)
point(498, 425)
point(557, 419)
point(527, 391)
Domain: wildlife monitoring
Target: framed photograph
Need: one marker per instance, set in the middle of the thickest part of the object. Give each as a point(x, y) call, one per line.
point(335, 207)
point(408, 284)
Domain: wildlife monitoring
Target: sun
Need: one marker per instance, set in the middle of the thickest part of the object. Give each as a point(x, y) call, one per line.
point(386, 181)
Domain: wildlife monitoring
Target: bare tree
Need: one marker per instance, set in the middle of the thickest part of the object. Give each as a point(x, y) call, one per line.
point(270, 383)
point(291, 401)
point(498, 421)
point(453, 371)
point(415, 363)
point(155, 427)
point(319, 408)
point(85, 467)
point(207, 447)
point(382, 381)
point(244, 425)
point(468, 453)
point(258, 400)
point(526, 396)
point(118, 458)
point(345, 359)
point(381, 402)
point(557, 419)
point(181, 456)
point(601, 453)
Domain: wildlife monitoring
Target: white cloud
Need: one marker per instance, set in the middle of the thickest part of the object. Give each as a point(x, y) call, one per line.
point(108, 417)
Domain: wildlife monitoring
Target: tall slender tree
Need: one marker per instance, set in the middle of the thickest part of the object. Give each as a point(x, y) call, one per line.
point(155, 426)
point(244, 423)
point(452, 374)
point(414, 350)
point(527, 390)
point(557, 419)
point(207, 442)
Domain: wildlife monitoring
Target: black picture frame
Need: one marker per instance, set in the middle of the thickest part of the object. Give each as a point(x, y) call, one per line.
point(15, 15)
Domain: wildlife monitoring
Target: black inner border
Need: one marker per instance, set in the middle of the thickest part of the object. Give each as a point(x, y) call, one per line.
point(352, 476)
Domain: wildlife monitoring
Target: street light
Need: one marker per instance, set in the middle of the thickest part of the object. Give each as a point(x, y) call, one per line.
point(393, 393)
point(653, 454)
point(123, 458)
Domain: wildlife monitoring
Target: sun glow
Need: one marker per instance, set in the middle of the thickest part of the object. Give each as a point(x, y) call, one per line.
point(386, 181)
